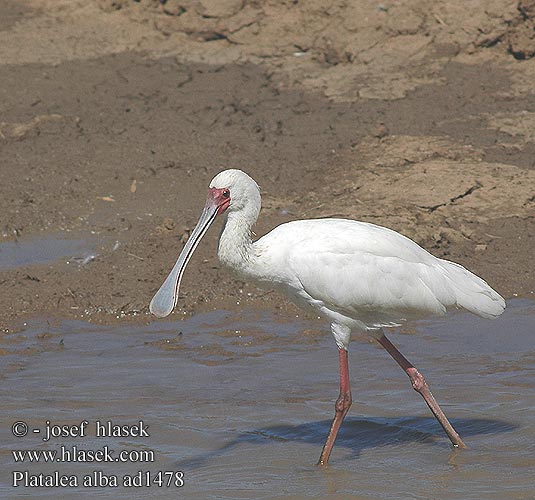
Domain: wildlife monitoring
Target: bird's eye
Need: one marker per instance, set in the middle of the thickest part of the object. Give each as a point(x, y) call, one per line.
point(226, 193)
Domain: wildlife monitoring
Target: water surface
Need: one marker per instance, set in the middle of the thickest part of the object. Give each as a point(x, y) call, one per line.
point(242, 403)
point(44, 250)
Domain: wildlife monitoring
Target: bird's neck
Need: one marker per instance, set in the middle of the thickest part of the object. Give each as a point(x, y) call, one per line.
point(235, 242)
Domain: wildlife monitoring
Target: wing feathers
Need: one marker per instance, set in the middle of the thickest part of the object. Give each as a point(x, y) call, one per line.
point(372, 274)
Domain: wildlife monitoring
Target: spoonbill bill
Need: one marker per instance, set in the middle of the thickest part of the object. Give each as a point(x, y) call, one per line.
point(360, 276)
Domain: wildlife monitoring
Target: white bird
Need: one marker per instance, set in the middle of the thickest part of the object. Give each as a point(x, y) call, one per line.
point(360, 276)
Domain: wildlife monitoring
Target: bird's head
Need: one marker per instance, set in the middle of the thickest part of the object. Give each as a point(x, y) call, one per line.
point(231, 191)
point(234, 190)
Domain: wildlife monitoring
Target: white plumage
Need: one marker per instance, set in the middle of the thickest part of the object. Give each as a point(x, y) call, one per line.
point(371, 275)
point(360, 276)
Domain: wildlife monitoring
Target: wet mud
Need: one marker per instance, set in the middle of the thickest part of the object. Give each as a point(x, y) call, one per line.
point(427, 130)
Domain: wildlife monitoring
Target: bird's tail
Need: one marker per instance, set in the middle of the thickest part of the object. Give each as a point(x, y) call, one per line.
point(472, 293)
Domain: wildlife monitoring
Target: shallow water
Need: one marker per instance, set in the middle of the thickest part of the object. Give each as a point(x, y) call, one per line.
point(43, 251)
point(242, 404)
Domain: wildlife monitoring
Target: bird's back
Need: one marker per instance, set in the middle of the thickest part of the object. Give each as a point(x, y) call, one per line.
point(368, 273)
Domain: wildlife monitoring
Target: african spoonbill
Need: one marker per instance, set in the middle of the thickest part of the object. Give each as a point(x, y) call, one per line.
point(360, 276)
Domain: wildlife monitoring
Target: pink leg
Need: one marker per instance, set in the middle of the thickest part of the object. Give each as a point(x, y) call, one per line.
point(341, 407)
point(420, 385)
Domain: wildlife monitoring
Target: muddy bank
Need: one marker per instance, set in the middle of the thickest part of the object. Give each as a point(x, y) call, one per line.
point(110, 134)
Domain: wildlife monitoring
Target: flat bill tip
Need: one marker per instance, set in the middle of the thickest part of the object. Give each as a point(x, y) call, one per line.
point(163, 303)
point(160, 308)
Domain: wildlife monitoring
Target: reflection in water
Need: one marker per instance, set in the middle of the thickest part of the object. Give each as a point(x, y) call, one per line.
point(242, 405)
point(358, 434)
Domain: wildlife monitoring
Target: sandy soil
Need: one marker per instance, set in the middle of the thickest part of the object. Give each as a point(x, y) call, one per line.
point(115, 114)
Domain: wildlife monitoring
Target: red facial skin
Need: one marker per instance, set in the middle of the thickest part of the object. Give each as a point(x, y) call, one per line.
point(219, 197)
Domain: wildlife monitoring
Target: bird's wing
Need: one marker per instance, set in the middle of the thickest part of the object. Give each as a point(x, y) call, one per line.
point(360, 270)
point(371, 273)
